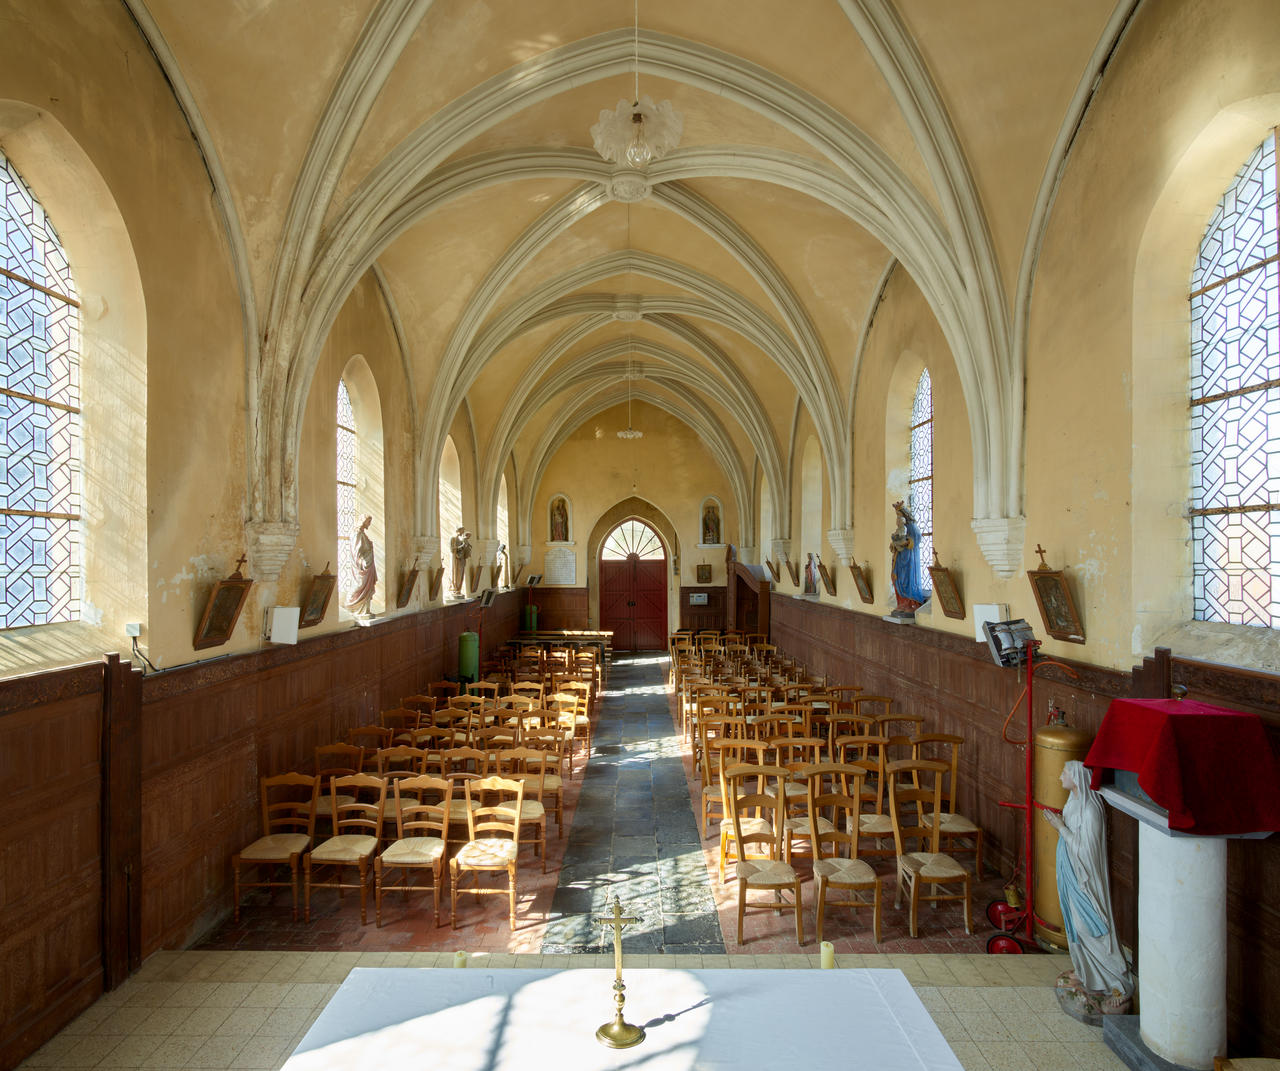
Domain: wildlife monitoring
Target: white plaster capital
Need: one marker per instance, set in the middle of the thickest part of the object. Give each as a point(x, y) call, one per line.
point(749, 555)
point(269, 544)
point(426, 549)
point(780, 549)
point(841, 540)
point(483, 551)
point(1001, 540)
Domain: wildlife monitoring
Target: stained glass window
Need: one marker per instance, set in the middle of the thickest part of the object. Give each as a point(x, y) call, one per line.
point(921, 497)
point(347, 519)
point(39, 413)
point(1235, 403)
point(632, 537)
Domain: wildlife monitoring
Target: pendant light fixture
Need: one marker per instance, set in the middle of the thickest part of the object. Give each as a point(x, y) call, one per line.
point(637, 132)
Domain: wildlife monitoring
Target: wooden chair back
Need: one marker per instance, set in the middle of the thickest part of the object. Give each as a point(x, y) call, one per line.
point(834, 792)
point(358, 802)
point(756, 792)
point(944, 748)
point(422, 806)
point(289, 803)
point(915, 790)
point(493, 807)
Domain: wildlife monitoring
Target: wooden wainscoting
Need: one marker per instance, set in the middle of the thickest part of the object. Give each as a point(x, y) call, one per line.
point(126, 797)
point(51, 884)
point(560, 608)
point(710, 616)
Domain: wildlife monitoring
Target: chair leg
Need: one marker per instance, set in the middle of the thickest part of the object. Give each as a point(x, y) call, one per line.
point(511, 892)
point(377, 891)
point(875, 917)
point(363, 868)
point(235, 885)
point(742, 906)
point(293, 886)
point(306, 868)
point(915, 907)
point(820, 891)
point(453, 895)
point(968, 907)
point(799, 914)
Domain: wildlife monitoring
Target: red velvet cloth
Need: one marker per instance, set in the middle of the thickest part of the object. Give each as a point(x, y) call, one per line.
point(1212, 769)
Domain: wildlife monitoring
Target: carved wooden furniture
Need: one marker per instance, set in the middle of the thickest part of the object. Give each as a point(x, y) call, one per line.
point(493, 826)
point(288, 824)
point(915, 792)
point(753, 799)
point(422, 840)
point(357, 826)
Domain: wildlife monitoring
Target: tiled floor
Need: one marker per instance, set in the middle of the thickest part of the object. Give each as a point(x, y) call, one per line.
point(248, 994)
point(201, 1009)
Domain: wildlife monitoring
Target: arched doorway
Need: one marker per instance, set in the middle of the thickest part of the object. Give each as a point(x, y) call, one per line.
point(633, 587)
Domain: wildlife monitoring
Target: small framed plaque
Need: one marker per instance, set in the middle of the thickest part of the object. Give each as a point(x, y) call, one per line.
point(222, 611)
point(1057, 608)
point(828, 581)
point(944, 587)
point(704, 574)
point(316, 604)
point(406, 586)
point(862, 581)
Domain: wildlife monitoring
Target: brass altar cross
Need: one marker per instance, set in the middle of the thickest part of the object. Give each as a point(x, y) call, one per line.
point(242, 559)
point(618, 1034)
point(1040, 551)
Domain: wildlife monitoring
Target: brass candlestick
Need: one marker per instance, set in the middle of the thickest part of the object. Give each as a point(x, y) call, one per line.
point(618, 1034)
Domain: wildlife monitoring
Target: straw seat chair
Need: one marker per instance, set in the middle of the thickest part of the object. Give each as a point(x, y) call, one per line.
point(422, 840)
point(493, 827)
point(288, 824)
point(357, 829)
point(834, 801)
point(754, 801)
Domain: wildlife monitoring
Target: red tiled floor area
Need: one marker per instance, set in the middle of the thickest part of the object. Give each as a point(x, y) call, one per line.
point(266, 923)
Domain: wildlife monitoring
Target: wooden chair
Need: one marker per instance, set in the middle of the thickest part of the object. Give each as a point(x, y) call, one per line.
point(867, 752)
point(288, 824)
point(401, 720)
point(529, 689)
point(756, 814)
point(486, 690)
point(335, 760)
point(443, 691)
point(711, 731)
point(422, 839)
point(423, 704)
point(357, 827)
point(795, 754)
point(394, 763)
point(735, 752)
point(915, 792)
point(945, 748)
point(493, 828)
point(549, 743)
point(370, 738)
point(834, 803)
point(528, 765)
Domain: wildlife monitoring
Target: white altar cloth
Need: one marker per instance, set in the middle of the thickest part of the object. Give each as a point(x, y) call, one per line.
point(475, 1019)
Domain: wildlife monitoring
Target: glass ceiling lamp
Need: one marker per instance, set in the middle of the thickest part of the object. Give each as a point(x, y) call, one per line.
point(629, 432)
point(637, 132)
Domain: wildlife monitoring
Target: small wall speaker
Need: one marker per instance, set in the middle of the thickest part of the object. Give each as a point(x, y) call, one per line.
point(282, 626)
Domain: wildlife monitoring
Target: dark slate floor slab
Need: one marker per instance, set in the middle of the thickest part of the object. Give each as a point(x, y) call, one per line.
point(634, 832)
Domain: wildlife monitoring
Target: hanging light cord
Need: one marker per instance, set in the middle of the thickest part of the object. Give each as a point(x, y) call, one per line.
point(636, 43)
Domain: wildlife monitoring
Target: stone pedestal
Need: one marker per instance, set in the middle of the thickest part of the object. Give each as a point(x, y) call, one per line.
point(1182, 946)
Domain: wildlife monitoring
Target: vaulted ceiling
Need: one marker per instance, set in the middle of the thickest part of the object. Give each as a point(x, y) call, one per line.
point(445, 147)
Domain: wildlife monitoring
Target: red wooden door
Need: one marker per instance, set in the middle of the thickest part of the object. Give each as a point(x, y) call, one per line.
point(633, 603)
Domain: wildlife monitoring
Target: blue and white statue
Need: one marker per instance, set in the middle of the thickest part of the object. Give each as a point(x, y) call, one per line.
point(904, 546)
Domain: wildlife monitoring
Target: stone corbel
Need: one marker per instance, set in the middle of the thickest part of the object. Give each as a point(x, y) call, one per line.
point(269, 544)
point(780, 551)
point(841, 540)
point(1001, 540)
point(483, 551)
point(747, 555)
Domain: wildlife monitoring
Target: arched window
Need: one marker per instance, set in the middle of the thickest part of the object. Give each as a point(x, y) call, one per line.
point(449, 499)
point(921, 497)
point(1235, 403)
point(40, 394)
point(347, 471)
point(632, 537)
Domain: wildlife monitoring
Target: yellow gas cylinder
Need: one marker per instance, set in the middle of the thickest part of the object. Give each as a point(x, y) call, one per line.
point(1055, 745)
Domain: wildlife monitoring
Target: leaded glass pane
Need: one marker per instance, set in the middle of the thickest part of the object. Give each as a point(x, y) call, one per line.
point(40, 572)
point(346, 481)
point(632, 537)
point(39, 457)
point(920, 500)
point(1235, 334)
point(1235, 451)
point(1237, 568)
point(1242, 230)
point(30, 245)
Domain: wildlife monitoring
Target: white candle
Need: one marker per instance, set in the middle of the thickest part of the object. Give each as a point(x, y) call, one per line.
point(828, 955)
point(459, 959)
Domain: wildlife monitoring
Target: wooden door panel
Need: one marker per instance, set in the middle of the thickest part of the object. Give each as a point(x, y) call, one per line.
point(616, 583)
point(651, 605)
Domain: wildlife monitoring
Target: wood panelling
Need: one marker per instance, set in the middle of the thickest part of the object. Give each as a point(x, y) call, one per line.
point(184, 752)
point(953, 682)
point(561, 607)
point(710, 616)
point(50, 855)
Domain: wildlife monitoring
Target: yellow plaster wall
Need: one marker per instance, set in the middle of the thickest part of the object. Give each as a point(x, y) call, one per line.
point(669, 467)
point(363, 328)
point(176, 506)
